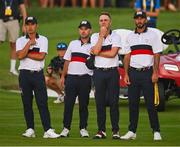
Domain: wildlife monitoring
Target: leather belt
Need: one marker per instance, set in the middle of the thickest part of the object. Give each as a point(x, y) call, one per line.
point(6, 19)
point(84, 75)
point(141, 69)
point(105, 69)
point(31, 71)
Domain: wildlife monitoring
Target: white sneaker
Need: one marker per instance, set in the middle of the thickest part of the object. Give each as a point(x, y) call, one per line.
point(77, 101)
point(157, 136)
point(50, 134)
point(100, 135)
point(115, 135)
point(60, 99)
point(64, 133)
point(14, 72)
point(84, 133)
point(128, 136)
point(29, 133)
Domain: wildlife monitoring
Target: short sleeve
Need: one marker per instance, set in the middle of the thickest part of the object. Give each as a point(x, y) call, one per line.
point(94, 39)
point(127, 47)
point(19, 45)
point(156, 43)
point(116, 41)
point(67, 55)
point(44, 45)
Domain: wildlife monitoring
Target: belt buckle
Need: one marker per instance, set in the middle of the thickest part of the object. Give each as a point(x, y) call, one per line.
point(11, 18)
point(146, 68)
point(139, 69)
point(105, 69)
point(6, 19)
point(143, 69)
point(34, 71)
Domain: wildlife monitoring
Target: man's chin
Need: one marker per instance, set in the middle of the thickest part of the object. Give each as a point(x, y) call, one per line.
point(140, 26)
point(30, 32)
point(84, 37)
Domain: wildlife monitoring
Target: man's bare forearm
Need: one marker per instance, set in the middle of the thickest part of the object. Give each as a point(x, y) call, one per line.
point(126, 63)
point(153, 14)
point(109, 54)
point(23, 53)
point(65, 68)
point(23, 12)
point(97, 48)
point(156, 63)
point(36, 56)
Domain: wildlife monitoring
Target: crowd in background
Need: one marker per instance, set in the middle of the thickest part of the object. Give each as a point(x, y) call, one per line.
point(171, 5)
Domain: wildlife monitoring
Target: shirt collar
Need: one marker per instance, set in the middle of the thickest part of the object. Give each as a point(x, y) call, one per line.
point(89, 41)
point(37, 36)
point(110, 32)
point(145, 30)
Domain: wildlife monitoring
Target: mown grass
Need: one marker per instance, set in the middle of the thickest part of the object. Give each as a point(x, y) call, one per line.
point(12, 124)
point(61, 25)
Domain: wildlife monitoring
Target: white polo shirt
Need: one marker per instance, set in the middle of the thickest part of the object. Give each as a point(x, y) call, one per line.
point(112, 40)
point(142, 47)
point(41, 46)
point(77, 53)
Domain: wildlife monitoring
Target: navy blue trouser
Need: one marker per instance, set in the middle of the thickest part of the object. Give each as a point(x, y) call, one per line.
point(29, 82)
point(141, 81)
point(107, 82)
point(76, 86)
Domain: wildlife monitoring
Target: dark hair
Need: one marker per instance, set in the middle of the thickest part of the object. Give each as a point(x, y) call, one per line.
point(105, 13)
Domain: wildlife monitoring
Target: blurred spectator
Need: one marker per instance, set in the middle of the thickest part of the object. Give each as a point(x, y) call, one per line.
point(55, 69)
point(51, 3)
point(168, 5)
point(62, 4)
point(58, 3)
point(108, 3)
point(122, 3)
point(131, 3)
point(74, 3)
point(178, 4)
point(101, 3)
point(43, 3)
point(10, 12)
point(27, 3)
point(151, 7)
point(92, 3)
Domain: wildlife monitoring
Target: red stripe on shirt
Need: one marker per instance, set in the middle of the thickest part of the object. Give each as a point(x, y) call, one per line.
point(142, 51)
point(78, 59)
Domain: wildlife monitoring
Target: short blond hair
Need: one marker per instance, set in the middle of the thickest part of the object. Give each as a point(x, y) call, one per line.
point(105, 13)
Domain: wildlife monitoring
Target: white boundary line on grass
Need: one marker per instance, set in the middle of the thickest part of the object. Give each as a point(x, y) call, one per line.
point(52, 93)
